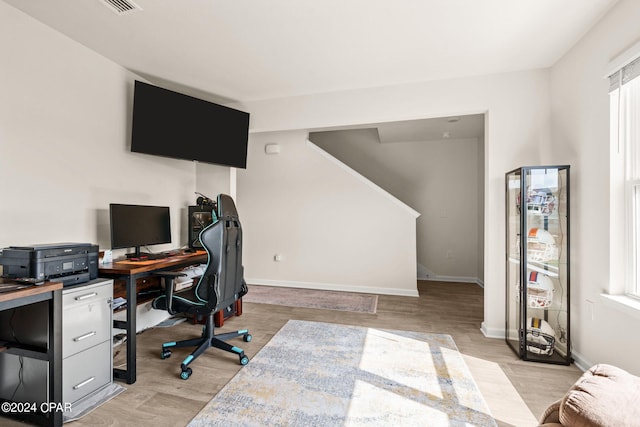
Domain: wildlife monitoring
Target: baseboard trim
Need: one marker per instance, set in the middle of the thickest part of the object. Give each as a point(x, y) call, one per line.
point(425, 274)
point(457, 279)
point(492, 332)
point(334, 287)
point(580, 362)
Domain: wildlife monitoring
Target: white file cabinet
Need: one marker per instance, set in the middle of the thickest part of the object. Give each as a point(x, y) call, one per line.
point(87, 345)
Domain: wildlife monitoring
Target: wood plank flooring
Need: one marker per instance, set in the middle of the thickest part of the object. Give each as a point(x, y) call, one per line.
point(517, 392)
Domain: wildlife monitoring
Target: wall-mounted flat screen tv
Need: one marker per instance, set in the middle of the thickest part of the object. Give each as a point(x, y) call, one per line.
point(171, 124)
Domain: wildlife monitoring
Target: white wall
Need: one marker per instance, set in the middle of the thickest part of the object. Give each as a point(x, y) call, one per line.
point(65, 121)
point(480, 185)
point(332, 230)
point(212, 180)
point(64, 143)
point(580, 129)
point(517, 122)
point(438, 178)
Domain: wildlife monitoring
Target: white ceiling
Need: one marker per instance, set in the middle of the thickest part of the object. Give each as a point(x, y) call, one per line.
point(259, 49)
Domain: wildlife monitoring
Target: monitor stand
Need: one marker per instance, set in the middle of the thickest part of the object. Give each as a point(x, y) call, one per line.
point(138, 255)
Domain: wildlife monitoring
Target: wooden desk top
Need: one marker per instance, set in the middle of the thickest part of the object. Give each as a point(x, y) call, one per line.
point(26, 290)
point(135, 267)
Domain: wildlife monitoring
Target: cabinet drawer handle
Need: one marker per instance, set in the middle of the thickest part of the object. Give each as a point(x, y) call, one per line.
point(83, 383)
point(85, 336)
point(85, 296)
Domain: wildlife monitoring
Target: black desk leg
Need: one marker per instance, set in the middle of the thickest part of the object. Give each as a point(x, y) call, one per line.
point(132, 307)
point(55, 359)
point(129, 374)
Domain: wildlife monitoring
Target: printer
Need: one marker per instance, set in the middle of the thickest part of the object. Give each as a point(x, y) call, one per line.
point(69, 263)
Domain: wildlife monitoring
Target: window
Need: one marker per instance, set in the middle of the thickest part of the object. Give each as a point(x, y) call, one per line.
point(625, 134)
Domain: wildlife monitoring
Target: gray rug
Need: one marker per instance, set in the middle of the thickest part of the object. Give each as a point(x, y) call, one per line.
point(311, 298)
point(323, 374)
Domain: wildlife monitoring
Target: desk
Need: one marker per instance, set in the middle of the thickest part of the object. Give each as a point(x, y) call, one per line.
point(50, 291)
point(130, 272)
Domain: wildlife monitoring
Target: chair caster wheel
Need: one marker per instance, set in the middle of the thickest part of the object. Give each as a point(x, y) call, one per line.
point(246, 337)
point(165, 354)
point(185, 374)
point(244, 360)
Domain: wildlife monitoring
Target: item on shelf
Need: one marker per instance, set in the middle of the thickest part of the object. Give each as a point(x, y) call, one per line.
point(181, 284)
point(194, 270)
point(539, 290)
point(118, 302)
point(539, 201)
point(541, 337)
point(541, 245)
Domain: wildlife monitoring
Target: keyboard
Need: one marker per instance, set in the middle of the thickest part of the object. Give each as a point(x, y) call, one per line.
point(145, 256)
point(155, 256)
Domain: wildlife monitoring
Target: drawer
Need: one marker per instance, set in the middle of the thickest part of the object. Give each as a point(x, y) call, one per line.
point(85, 372)
point(85, 325)
point(85, 294)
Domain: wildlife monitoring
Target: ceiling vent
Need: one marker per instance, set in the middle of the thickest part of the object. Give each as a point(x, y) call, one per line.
point(121, 7)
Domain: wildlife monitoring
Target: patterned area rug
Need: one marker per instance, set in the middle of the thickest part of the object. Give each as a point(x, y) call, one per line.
point(323, 374)
point(310, 298)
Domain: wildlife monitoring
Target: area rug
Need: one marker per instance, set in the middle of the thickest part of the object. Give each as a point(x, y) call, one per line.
point(323, 374)
point(311, 298)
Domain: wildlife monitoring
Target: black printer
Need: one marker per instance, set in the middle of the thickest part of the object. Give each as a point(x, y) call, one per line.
point(69, 263)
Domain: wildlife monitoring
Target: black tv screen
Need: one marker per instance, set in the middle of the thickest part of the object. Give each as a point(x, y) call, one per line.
point(171, 124)
point(133, 226)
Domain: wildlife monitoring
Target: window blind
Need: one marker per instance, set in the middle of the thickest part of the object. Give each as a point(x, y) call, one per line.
point(624, 75)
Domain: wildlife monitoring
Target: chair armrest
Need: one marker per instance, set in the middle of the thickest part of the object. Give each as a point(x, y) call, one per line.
point(169, 277)
point(552, 414)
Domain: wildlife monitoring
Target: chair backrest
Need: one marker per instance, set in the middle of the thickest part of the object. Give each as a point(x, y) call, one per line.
point(224, 273)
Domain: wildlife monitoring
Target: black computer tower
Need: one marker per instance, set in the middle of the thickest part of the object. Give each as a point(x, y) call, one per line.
point(199, 217)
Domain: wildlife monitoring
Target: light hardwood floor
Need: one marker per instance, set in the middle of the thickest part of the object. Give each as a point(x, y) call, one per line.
point(517, 392)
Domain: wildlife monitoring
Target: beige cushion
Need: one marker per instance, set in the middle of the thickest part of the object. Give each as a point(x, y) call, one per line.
point(603, 396)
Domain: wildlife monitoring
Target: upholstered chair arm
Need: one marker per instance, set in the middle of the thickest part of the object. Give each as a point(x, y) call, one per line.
point(552, 414)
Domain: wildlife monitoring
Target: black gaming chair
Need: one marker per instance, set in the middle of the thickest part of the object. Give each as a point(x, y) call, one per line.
point(221, 285)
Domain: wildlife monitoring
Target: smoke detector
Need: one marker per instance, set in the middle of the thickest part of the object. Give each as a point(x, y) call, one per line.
point(121, 7)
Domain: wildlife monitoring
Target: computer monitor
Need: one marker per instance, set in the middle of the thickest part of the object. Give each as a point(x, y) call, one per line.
point(133, 226)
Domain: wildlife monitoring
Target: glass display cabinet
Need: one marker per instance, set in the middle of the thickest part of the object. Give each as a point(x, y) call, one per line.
point(537, 229)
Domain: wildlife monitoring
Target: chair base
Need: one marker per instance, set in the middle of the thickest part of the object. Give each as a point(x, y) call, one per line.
point(208, 340)
point(219, 317)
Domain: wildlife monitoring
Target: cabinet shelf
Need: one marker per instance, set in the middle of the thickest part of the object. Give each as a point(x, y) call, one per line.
point(548, 269)
point(32, 352)
point(537, 267)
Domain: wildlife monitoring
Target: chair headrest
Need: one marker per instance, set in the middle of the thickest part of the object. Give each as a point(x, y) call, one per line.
point(226, 207)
